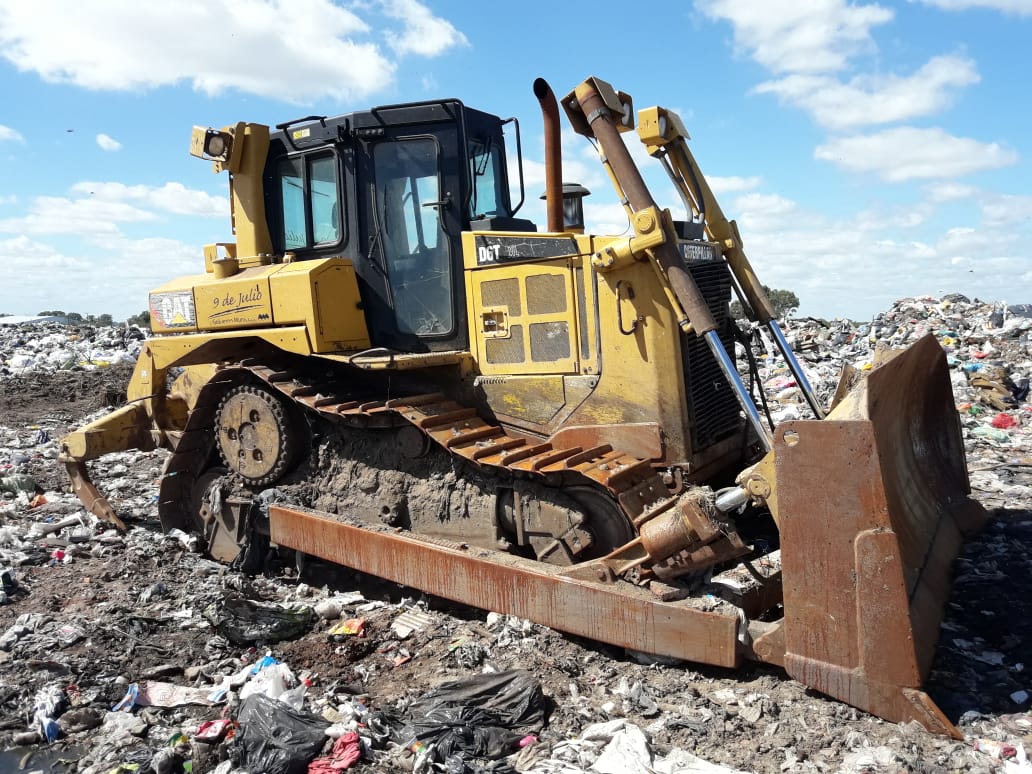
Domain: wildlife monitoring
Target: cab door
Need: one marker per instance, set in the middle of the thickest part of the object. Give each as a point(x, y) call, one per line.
point(410, 213)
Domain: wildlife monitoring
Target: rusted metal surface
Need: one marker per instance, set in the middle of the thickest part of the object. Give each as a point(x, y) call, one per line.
point(553, 155)
point(632, 183)
point(89, 495)
point(873, 503)
point(640, 439)
point(622, 615)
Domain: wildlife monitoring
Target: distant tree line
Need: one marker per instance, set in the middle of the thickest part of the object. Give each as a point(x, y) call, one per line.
point(141, 320)
point(783, 302)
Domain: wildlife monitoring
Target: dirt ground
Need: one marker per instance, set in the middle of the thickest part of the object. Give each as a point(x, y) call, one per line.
point(127, 595)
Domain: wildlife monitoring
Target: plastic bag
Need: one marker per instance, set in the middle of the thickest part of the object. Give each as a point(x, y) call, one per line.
point(484, 717)
point(274, 739)
point(272, 681)
point(243, 622)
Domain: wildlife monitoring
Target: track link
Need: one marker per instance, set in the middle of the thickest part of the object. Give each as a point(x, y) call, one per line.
point(463, 433)
point(457, 429)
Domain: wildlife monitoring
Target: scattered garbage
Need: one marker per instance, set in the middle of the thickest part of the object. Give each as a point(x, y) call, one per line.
point(132, 652)
point(275, 739)
point(347, 751)
point(50, 701)
point(483, 717)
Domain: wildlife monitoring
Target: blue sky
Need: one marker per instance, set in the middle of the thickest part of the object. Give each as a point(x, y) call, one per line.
point(869, 151)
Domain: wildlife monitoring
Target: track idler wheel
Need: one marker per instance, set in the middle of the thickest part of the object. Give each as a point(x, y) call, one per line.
point(258, 434)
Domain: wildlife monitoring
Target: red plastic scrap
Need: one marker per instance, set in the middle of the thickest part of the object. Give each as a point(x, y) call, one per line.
point(213, 731)
point(346, 751)
point(1004, 421)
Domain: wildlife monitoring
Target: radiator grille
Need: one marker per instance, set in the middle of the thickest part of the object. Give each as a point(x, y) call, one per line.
point(508, 350)
point(549, 341)
point(712, 404)
point(502, 292)
point(546, 294)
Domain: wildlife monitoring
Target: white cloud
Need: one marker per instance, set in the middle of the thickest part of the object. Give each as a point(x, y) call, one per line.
point(763, 211)
point(606, 218)
point(959, 244)
point(423, 33)
point(108, 143)
point(789, 36)
point(1019, 7)
point(908, 153)
point(97, 209)
point(7, 133)
point(949, 192)
point(41, 276)
point(9, 199)
point(174, 198)
point(733, 184)
point(84, 217)
point(849, 271)
point(875, 99)
point(1006, 210)
point(295, 50)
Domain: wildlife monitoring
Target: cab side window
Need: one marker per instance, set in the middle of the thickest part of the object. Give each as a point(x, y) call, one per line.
point(310, 197)
point(488, 175)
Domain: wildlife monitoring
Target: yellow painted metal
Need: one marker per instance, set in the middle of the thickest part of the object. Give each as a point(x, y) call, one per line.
point(469, 245)
point(324, 296)
point(663, 134)
point(320, 295)
point(243, 300)
point(196, 348)
point(585, 347)
point(534, 399)
point(188, 385)
point(649, 233)
point(124, 428)
point(641, 374)
point(535, 330)
point(619, 102)
point(376, 360)
point(246, 153)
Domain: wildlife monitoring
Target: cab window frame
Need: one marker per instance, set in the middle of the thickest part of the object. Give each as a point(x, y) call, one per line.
point(442, 303)
point(308, 170)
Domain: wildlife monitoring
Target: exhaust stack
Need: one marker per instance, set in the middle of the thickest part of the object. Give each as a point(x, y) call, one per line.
point(553, 155)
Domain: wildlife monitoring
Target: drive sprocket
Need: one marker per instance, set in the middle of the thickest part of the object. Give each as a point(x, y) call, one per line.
point(257, 435)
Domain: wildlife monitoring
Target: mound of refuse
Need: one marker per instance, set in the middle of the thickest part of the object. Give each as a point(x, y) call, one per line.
point(131, 652)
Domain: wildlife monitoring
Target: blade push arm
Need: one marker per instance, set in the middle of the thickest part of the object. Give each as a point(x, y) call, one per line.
point(594, 109)
point(666, 139)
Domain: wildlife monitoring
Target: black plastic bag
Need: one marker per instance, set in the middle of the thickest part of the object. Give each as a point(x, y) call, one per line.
point(275, 739)
point(244, 622)
point(483, 717)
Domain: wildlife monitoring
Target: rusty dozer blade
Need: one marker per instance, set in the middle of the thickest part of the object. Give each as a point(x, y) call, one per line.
point(622, 615)
point(873, 503)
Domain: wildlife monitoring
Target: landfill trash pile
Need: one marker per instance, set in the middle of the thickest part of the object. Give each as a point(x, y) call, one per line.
point(131, 652)
point(58, 347)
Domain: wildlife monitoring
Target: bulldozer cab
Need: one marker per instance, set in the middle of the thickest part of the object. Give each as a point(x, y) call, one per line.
point(392, 189)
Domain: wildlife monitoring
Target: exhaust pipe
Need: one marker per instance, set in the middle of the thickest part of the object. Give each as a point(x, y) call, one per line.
point(553, 155)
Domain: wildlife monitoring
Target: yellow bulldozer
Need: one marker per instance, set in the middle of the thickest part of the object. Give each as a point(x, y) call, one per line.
point(389, 370)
